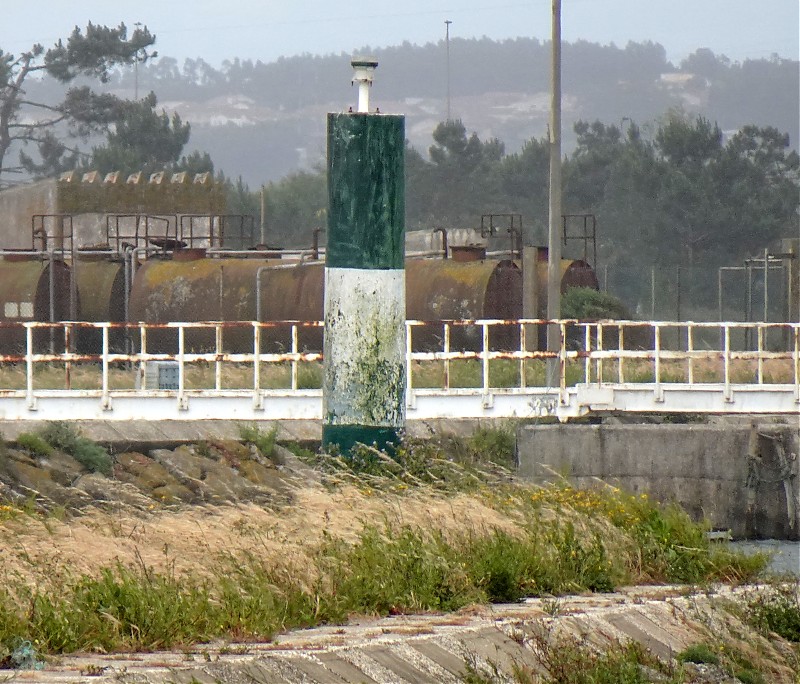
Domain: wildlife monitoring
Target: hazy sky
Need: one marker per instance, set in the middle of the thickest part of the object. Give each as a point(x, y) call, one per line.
point(266, 29)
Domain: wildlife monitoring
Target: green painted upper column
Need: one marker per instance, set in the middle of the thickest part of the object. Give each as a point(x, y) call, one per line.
point(366, 191)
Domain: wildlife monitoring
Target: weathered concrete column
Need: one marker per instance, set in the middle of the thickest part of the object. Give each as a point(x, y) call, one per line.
point(364, 383)
point(530, 295)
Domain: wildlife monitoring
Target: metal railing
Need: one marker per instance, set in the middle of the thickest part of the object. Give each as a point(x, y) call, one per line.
point(491, 368)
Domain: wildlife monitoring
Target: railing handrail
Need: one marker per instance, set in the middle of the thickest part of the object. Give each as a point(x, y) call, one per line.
point(604, 357)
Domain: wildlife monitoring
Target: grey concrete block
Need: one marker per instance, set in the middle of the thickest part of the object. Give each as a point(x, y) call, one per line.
point(342, 668)
point(317, 672)
point(441, 656)
point(503, 652)
point(704, 468)
point(386, 657)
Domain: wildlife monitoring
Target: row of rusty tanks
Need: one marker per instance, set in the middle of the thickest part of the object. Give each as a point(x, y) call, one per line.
point(210, 289)
point(181, 282)
point(227, 290)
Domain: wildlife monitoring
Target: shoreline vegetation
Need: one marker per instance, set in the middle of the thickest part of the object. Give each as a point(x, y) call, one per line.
point(439, 526)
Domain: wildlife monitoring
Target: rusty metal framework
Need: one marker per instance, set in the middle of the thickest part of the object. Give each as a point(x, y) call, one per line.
point(135, 231)
point(604, 367)
point(585, 231)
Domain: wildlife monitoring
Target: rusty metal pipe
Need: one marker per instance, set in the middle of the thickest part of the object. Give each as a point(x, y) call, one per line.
point(315, 242)
point(259, 272)
point(516, 242)
point(443, 231)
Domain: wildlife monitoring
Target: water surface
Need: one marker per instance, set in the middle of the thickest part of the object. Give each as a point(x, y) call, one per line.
point(785, 554)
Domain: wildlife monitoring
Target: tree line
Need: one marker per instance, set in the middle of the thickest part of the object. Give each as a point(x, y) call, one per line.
point(682, 194)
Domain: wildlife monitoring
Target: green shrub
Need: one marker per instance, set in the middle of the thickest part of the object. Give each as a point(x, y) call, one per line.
point(494, 445)
point(587, 304)
point(699, 653)
point(263, 441)
point(34, 444)
point(91, 456)
point(777, 611)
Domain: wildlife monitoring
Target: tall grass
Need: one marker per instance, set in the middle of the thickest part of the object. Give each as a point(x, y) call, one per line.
point(550, 540)
point(386, 569)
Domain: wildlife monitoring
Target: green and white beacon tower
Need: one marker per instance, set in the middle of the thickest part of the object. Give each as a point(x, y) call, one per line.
point(363, 396)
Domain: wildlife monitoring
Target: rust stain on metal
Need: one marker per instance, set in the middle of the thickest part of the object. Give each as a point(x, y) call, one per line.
point(216, 290)
point(439, 290)
point(25, 293)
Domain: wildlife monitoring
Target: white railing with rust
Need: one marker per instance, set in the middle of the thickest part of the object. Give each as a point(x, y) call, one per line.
point(609, 366)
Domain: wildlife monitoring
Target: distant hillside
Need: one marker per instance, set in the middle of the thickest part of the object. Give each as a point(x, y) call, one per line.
point(262, 121)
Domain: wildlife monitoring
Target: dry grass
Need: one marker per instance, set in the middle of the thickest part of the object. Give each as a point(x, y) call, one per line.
point(199, 375)
point(462, 373)
point(423, 532)
point(187, 539)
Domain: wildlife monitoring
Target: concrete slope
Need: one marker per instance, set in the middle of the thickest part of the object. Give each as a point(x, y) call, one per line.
point(494, 641)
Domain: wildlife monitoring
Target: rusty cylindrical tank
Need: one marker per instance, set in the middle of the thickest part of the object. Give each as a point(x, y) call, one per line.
point(25, 289)
point(101, 293)
point(225, 290)
point(574, 273)
point(439, 290)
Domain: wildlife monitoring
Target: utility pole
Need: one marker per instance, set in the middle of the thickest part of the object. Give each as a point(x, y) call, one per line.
point(554, 204)
point(447, 23)
point(136, 69)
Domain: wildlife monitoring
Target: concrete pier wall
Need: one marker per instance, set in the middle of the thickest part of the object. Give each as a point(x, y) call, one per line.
point(740, 477)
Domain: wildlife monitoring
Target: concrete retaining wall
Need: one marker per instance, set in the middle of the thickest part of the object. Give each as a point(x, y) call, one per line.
point(739, 477)
point(18, 205)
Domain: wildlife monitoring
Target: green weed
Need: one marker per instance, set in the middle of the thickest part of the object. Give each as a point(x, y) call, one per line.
point(777, 611)
point(263, 441)
point(91, 456)
point(730, 661)
point(387, 569)
point(303, 453)
point(699, 653)
point(505, 568)
point(397, 571)
point(34, 445)
point(562, 540)
point(748, 675)
point(309, 376)
point(571, 661)
point(494, 445)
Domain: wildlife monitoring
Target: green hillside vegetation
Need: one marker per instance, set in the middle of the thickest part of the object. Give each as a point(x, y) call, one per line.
point(604, 82)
